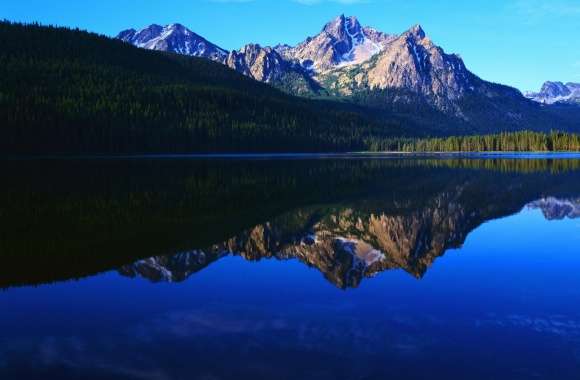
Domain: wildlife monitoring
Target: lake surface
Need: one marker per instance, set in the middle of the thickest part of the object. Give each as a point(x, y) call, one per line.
point(311, 267)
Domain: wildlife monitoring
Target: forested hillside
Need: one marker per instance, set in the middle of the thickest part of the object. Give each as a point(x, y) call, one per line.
point(66, 91)
point(524, 141)
point(69, 91)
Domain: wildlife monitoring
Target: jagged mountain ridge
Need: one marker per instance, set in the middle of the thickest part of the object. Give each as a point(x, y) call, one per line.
point(556, 92)
point(406, 74)
point(174, 38)
point(411, 62)
point(342, 42)
point(265, 64)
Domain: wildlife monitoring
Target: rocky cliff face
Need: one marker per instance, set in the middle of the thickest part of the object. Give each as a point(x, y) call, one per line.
point(174, 38)
point(348, 60)
point(557, 92)
point(265, 64)
point(342, 42)
point(412, 63)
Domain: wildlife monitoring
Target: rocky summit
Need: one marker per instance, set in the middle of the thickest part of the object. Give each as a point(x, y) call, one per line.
point(557, 92)
point(174, 38)
point(265, 64)
point(343, 58)
point(342, 42)
point(403, 74)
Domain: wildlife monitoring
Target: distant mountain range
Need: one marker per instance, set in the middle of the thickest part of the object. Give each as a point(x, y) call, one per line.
point(403, 74)
point(557, 92)
point(343, 59)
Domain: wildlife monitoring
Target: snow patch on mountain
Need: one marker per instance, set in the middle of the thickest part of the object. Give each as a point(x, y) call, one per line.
point(174, 38)
point(556, 92)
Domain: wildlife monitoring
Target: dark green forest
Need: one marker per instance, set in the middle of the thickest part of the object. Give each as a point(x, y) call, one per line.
point(67, 91)
point(68, 218)
point(524, 141)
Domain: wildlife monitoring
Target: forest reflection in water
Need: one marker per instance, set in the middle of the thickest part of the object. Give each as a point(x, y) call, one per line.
point(176, 268)
point(165, 219)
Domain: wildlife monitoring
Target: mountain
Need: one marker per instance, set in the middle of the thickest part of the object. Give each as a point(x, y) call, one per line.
point(175, 217)
point(266, 65)
point(174, 38)
point(346, 58)
point(407, 77)
point(557, 92)
point(72, 92)
point(263, 64)
point(342, 42)
point(410, 62)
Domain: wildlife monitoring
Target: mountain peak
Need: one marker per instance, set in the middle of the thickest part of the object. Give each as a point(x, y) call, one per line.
point(417, 31)
point(152, 27)
point(342, 26)
point(174, 38)
point(556, 92)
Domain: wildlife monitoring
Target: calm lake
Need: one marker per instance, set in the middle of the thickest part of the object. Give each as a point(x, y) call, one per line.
point(294, 267)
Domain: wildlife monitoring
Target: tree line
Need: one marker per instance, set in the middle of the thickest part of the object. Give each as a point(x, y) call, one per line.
point(523, 141)
point(66, 91)
point(69, 91)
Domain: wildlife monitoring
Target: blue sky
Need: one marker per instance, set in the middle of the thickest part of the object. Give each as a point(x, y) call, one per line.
point(521, 43)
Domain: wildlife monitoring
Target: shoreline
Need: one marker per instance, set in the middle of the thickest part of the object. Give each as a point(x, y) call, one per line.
point(282, 156)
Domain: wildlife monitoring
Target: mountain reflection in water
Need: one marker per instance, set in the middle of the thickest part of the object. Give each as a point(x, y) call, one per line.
point(346, 245)
point(475, 265)
point(350, 219)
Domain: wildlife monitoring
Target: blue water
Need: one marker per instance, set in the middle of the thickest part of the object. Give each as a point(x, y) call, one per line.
point(501, 300)
point(505, 303)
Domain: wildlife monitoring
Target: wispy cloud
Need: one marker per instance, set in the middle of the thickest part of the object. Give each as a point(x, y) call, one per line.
point(534, 10)
point(231, 1)
point(303, 2)
point(314, 2)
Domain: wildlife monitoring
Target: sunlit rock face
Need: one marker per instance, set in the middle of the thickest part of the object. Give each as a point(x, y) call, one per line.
point(412, 64)
point(174, 38)
point(557, 92)
point(348, 59)
point(266, 65)
point(342, 42)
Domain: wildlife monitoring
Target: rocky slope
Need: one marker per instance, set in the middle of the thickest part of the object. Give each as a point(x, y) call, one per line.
point(557, 92)
point(406, 74)
point(174, 38)
point(345, 58)
point(342, 42)
point(265, 64)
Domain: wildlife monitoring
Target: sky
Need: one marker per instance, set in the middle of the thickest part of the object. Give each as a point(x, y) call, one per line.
point(521, 43)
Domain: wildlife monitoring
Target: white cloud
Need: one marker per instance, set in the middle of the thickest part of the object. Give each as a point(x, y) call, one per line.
point(535, 9)
point(231, 1)
point(303, 2)
point(314, 2)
